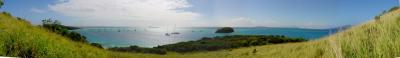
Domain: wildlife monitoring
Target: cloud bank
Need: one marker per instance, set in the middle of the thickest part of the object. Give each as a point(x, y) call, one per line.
point(126, 12)
point(143, 13)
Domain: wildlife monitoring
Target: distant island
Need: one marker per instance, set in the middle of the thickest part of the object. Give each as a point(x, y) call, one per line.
point(225, 30)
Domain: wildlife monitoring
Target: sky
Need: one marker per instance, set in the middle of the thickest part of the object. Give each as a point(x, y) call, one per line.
point(316, 14)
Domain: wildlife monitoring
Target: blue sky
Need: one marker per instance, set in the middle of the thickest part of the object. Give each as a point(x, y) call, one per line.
point(209, 13)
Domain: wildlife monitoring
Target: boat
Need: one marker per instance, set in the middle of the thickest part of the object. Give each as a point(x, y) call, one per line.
point(175, 33)
point(167, 34)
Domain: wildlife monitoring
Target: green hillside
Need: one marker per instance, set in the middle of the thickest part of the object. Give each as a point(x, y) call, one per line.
point(378, 38)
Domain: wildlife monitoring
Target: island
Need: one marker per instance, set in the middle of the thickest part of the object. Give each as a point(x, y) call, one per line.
point(225, 30)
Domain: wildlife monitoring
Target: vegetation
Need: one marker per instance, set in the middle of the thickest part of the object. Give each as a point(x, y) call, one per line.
point(225, 30)
point(96, 45)
point(212, 44)
point(1, 3)
point(137, 49)
point(227, 42)
point(55, 26)
point(393, 9)
point(370, 40)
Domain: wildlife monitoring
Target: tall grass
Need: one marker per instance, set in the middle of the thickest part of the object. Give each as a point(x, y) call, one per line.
point(21, 39)
point(375, 39)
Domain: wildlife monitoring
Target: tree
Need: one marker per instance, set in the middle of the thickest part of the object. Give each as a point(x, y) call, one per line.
point(56, 27)
point(1, 3)
point(96, 45)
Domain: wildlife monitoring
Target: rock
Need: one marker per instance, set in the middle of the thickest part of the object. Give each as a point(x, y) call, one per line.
point(225, 30)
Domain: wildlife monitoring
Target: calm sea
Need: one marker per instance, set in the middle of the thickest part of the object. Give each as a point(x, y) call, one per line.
point(151, 37)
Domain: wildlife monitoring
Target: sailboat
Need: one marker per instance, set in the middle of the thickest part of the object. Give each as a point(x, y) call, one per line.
point(174, 32)
point(167, 34)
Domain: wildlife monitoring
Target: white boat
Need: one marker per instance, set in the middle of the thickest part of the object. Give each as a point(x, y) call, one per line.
point(175, 33)
point(168, 34)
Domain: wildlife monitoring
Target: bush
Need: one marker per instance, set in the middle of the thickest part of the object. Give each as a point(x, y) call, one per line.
point(24, 20)
point(393, 9)
point(1, 3)
point(55, 26)
point(138, 49)
point(97, 45)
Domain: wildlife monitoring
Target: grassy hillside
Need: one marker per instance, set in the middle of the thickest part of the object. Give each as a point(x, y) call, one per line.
point(19, 38)
point(374, 39)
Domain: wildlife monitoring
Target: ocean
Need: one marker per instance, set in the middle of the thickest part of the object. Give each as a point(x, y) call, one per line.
point(155, 36)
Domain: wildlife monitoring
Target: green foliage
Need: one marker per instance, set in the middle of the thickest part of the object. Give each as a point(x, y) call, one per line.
point(254, 50)
point(227, 42)
point(393, 9)
point(23, 20)
point(14, 48)
point(225, 30)
point(137, 49)
point(55, 26)
point(1, 3)
point(97, 45)
point(377, 18)
point(6, 13)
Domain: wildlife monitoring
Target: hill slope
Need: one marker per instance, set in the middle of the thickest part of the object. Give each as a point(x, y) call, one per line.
point(19, 38)
point(375, 39)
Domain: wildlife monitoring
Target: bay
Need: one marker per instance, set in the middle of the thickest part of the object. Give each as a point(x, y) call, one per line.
point(155, 36)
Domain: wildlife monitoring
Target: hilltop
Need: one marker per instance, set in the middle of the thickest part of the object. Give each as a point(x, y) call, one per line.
point(378, 38)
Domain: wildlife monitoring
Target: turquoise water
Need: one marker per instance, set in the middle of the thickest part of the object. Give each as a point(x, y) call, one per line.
point(151, 37)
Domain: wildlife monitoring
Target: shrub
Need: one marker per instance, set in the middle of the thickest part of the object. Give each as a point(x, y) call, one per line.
point(393, 9)
point(377, 18)
point(24, 20)
point(138, 49)
point(96, 45)
point(55, 26)
point(254, 50)
point(1, 3)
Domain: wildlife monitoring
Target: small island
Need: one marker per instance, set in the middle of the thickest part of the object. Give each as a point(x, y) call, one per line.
point(225, 30)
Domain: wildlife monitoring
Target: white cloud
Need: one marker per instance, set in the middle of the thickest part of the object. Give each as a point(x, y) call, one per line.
point(152, 13)
point(36, 10)
point(248, 22)
point(236, 22)
point(313, 25)
point(126, 12)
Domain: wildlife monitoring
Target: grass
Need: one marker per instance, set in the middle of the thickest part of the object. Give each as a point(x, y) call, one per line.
point(374, 39)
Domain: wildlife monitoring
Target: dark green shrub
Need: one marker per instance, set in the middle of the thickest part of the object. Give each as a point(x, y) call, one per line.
point(55, 26)
point(1, 3)
point(24, 20)
point(254, 50)
point(97, 45)
point(138, 49)
point(393, 9)
point(377, 17)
